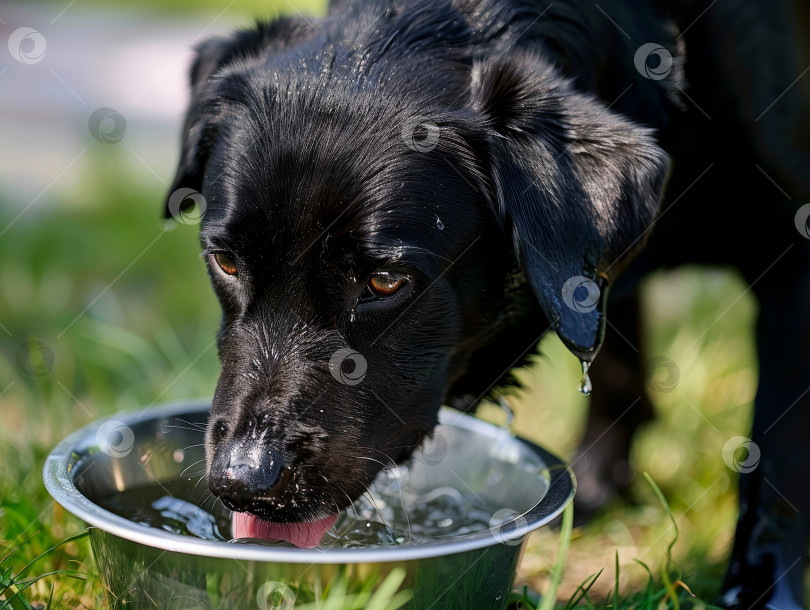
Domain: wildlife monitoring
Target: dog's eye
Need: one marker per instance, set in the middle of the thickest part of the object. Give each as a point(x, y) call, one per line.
point(225, 262)
point(386, 284)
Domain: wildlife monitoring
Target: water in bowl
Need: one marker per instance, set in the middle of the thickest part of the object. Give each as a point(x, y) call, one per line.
point(407, 504)
point(391, 513)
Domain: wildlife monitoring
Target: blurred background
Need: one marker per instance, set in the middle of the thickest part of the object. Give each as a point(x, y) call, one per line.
point(103, 307)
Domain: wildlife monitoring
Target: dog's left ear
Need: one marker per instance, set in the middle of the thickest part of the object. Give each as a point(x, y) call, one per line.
point(576, 186)
point(199, 124)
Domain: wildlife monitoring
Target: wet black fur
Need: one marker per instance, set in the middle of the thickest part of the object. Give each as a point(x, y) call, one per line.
point(549, 163)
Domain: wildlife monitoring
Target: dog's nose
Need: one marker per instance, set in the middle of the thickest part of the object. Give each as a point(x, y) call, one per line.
point(244, 473)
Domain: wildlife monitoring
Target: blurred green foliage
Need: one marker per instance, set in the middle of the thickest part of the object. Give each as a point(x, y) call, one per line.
point(258, 8)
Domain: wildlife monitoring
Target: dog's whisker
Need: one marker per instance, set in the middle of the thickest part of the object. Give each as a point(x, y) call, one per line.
point(196, 430)
point(334, 501)
point(194, 426)
point(180, 476)
point(202, 476)
point(190, 475)
point(363, 457)
point(190, 466)
point(337, 506)
point(393, 465)
point(214, 503)
point(373, 503)
point(206, 496)
point(351, 506)
point(192, 446)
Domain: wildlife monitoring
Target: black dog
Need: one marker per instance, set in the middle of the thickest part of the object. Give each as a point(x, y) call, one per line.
point(403, 197)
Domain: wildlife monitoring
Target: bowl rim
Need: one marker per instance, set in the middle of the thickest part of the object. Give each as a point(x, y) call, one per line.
point(58, 482)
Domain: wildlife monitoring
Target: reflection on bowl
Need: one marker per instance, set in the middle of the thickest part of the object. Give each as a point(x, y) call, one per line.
point(185, 562)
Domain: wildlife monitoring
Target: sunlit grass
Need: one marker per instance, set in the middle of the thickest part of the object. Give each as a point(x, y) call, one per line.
point(663, 590)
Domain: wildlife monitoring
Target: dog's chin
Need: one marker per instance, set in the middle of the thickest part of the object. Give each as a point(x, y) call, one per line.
point(301, 534)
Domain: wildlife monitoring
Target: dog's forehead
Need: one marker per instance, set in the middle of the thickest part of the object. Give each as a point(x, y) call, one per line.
point(288, 231)
point(309, 165)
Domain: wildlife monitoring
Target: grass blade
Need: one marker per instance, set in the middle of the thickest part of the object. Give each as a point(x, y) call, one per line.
point(582, 590)
point(665, 505)
point(616, 585)
point(386, 590)
point(550, 597)
point(30, 581)
point(58, 544)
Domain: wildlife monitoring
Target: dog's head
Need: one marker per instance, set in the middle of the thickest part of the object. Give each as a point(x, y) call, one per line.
point(385, 233)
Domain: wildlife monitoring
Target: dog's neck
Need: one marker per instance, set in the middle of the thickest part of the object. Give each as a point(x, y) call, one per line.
point(597, 49)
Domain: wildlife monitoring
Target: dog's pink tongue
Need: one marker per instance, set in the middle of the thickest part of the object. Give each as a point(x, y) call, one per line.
point(303, 535)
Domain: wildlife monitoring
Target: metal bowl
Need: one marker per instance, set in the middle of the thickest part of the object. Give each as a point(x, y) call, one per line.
point(146, 567)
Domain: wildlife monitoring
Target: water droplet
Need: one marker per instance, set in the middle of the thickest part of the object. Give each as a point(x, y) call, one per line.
point(439, 224)
point(585, 383)
point(498, 596)
point(351, 316)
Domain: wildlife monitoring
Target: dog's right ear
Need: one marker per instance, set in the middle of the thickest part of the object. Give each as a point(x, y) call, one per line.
point(576, 188)
point(200, 122)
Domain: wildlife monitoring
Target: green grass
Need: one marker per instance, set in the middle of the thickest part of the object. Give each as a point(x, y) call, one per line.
point(668, 591)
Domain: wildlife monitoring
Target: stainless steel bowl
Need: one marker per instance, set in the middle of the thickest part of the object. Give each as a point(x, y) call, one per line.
point(146, 567)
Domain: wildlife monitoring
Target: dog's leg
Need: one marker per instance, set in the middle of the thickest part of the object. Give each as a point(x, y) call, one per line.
point(618, 406)
point(768, 558)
